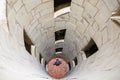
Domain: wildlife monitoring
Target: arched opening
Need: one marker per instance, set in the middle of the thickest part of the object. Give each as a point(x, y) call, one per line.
point(69, 66)
point(28, 43)
point(58, 49)
point(59, 35)
point(59, 4)
point(116, 17)
point(76, 61)
point(90, 48)
point(40, 58)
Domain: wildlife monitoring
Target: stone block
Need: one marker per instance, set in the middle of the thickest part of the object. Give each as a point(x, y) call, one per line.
point(49, 24)
point(43, 6)
point(70, 26)
point(117, 43)
point(46, 11)
point(59, 45)
point(23, 17)
point(93, 2)
point(84, 22)
point(113, 30)
point(80, 27)
point(11, 18)
point(45, 0)
point(18, 5)
point(43, 37)
point(35, 34)
point(100, 20)
point(30, 4)
point(98, 39)
point(64, 17)
point(11, 2)
point(90, 9)
point(90, 31)
point(79, 35)
point(43, 30)
point(33, 12)
point(76, 11)
point(50, 32)
point(19, 32)
point(84, 41)
point(44, 19)
point(87, 35)
point(3, 24)
point(34, 25)
point(37, 16)
point(105, 35)
point(103, 15)
point(79, 2)
point(88, 18)
point(73, 20)
point(38, 40)
point(60, 25)
point(111, 4)
point(95, 27)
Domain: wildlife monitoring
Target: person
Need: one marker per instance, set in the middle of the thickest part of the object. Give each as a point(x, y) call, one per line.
point(57, 62)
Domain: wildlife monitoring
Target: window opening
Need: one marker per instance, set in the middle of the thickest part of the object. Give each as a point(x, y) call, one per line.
point(59, 49)
point(40, 58)
point(116, 17)
point(91, 48)
point(69, 65)
point(59, 4)
point(75, 60)
point(27, 41)
point(59, 35)
point(45, 63)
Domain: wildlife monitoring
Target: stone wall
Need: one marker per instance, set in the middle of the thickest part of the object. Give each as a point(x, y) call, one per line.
point(87, 19)
point(92, 20)
point(36, 18)
point(15, 62)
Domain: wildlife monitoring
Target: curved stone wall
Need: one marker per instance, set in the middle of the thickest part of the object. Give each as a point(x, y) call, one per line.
point(87, 19)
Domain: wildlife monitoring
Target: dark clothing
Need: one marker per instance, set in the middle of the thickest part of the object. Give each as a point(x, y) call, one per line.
point(57, 63)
